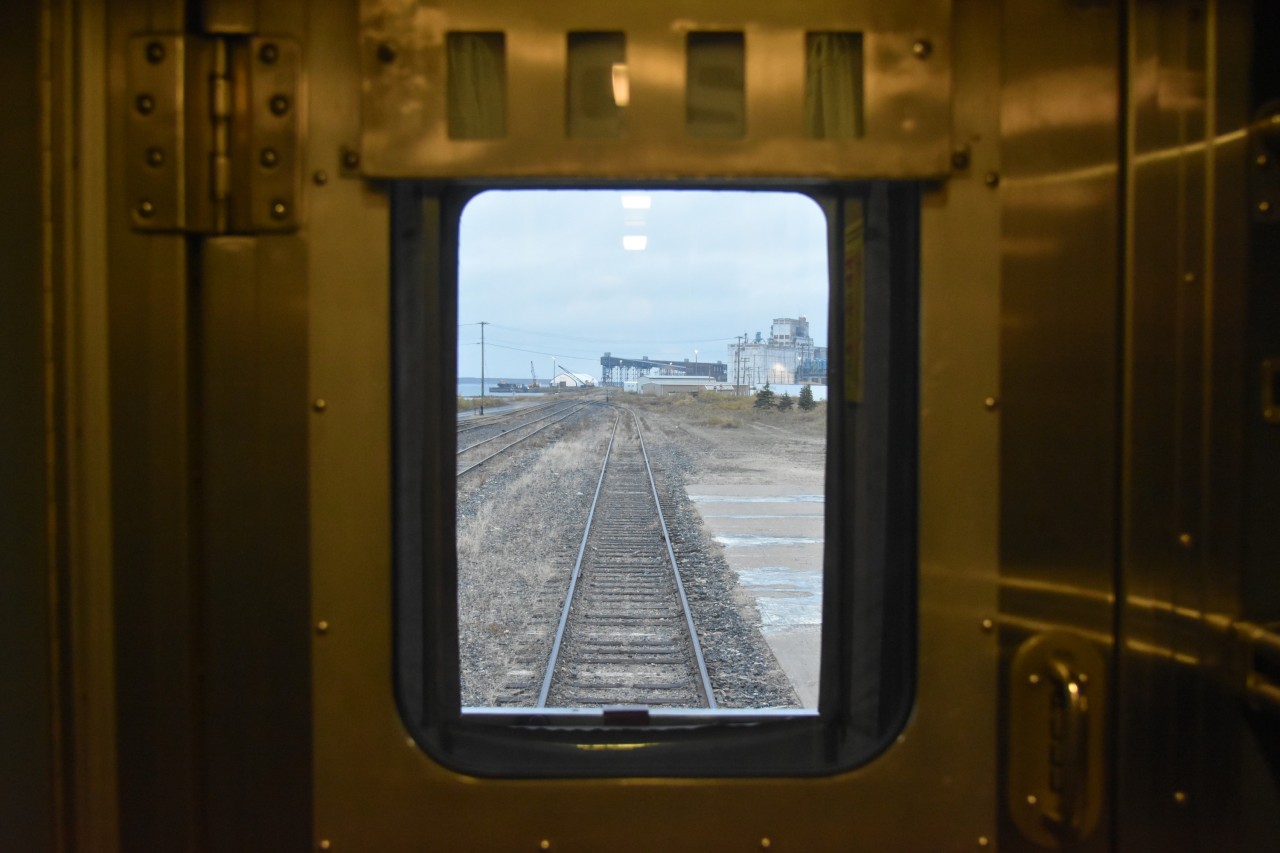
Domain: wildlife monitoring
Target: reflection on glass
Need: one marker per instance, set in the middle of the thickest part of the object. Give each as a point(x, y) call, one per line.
point(715, 93)
point(833, 85)
point(715, 336)
point(599, 88)
point(477, 85)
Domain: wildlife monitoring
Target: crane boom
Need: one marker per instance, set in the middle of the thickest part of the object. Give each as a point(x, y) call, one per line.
point(534, 374)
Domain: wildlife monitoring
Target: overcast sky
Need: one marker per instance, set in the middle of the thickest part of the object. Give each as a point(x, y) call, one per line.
point(549, 272)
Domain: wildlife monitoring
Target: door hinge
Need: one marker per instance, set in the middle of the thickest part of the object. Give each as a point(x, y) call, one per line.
point(213, 133)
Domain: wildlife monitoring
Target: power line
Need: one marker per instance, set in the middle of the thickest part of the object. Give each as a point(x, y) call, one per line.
point(614, 341)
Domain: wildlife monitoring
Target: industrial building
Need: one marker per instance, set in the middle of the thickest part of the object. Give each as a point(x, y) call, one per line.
point(788, 356)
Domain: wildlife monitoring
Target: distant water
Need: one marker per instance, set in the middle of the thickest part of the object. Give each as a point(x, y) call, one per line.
point(472, 389)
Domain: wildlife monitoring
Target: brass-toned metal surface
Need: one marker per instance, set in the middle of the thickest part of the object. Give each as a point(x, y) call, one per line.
point(1269, 401)
point(254, 578)
point(1186, 389)
point(213, 133)
point(168, 131)
point(1058, 684)
point(29, 730)
point(154, 588)
point(208, 489)
point(78, 164)
point(1059, 349)
point(1264, 163)
point(197, 522)
point(376, 790)
point(906, 107)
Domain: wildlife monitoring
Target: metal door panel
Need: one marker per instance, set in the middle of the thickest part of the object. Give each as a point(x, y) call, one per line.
point(376, 790)
point(1059, 347)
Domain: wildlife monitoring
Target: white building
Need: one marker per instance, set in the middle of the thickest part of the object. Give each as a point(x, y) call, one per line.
point(775, 360)
point(565, 379)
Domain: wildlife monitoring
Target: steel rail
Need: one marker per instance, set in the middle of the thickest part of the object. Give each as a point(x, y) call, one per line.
point(486, 421)
point(577, 571)
point(703, 681)
point(507, 447)
point(570, 409)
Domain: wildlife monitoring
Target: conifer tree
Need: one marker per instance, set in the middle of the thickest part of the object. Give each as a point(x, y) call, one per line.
point(785, 402)
point(765, 398)
point(806, 399)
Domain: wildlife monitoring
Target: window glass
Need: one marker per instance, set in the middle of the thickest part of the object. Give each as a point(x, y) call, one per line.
point(642, 429)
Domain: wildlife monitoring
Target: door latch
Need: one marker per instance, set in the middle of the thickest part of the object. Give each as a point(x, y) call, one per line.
point(1057, 700)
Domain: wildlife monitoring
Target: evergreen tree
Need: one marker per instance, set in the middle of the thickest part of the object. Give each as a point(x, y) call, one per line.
point(785, 402)
point(806, 399)
point(765, 398)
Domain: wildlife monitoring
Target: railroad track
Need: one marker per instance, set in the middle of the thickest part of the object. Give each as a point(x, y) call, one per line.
point(626, 636)
point(474, 455)
point(485, 424)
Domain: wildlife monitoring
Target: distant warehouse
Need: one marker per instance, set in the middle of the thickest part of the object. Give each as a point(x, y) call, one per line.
point(661, 386)
point(565, 379)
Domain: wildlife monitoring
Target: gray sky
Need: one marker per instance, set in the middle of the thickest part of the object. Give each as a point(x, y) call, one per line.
point(548, 270)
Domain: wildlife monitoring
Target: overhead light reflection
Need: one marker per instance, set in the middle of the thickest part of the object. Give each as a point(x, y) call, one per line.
point(634, 242)
point(621, 84)
point(636, 202)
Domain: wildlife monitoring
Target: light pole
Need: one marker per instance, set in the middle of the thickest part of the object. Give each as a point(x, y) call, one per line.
point(482, 325)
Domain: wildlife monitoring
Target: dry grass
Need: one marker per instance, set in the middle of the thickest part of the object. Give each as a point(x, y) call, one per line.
point(468, 404)
point(509, 550)
point(713, 409)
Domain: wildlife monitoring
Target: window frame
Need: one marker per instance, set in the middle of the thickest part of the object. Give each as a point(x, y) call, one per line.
point(868, 654)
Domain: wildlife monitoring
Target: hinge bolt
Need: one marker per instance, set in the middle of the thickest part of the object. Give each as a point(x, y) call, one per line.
point(146, 209)
point(320, 178)
point(922, 48)
point(279, 105)
point(992, 179)
point(269, 158)
point(279, 210)
point(386, 54)
point(155, 53)
point(155, 157)
point(1186, 540)
point(350, 159)
point(145, 104)
point(268, 54)
point(960, 158)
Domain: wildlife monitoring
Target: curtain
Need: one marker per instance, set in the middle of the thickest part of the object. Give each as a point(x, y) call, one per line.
point(833, 85)
point(477, 85)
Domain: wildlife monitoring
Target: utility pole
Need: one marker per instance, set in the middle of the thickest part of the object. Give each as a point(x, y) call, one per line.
point(482, 325)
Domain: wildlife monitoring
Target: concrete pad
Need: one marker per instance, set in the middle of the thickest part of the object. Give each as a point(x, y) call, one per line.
point(772, 538)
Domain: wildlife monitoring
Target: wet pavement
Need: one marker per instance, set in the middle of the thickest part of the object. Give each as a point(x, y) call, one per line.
point(772, 538)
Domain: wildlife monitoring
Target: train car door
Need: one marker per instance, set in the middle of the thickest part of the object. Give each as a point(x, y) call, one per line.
point(1054, 631)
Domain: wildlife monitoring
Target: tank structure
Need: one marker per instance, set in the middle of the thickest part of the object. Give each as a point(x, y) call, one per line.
point(786, 357)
